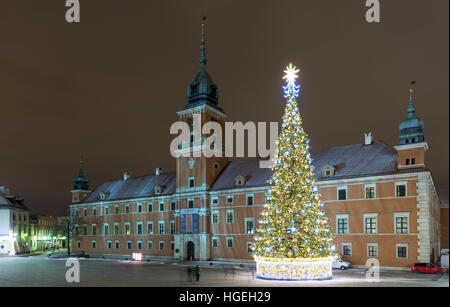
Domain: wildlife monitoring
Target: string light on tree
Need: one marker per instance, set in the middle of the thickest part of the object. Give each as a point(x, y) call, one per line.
point(294, 239)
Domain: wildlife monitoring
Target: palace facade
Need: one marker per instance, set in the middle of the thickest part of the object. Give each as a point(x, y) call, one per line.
point(380, 200)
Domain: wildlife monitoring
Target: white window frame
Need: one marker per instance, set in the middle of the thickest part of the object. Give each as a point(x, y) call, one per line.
point(252, 195)
point(370, 185)
point(137, 208)
point(348, 244)
point(226, 216)
point(189, 181)
point(172, 222)
point(129, 245)
point(159, 245)
point(127, 208)
point(109, 244)
point(232, 242)
point(137, 244)
point(247, 244)
point(150, 245)
point(215, 212)
point(104, 227)
point(341, 187)
point(401, 214)
point(405, 183)
point(370, 215)
point(116, 244)
point(153, 229)
point(214, 239)
point(397, 245)
point(172, 245)
point(214, 200)
point(159, 227)
point(370, 245)
point(125, 228)
point(106, 210)
point(118, 229)
point(94, 244)
point(229, 197)
point(163, 206)
point(191, 200)
point(137, 228)
point(342, 216)
point(116, 208)
point(150, 205)
point(249, 219)
point(92, 229)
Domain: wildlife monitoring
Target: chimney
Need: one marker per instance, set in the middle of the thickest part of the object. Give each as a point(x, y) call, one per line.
point(158, 171)
point(126, 176)
point(368, 138)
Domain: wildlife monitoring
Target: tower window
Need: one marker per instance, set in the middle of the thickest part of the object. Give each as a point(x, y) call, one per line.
point(413, 161)
point(407, 161)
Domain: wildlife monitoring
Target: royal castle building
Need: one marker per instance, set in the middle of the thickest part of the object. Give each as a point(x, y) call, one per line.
point(380, 200)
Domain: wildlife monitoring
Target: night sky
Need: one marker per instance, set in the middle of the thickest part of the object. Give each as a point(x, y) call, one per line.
point(108, 87)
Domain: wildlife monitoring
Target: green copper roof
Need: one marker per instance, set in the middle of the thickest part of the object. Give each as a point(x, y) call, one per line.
point(202, 90)
point(81, 182)
point(411, 129)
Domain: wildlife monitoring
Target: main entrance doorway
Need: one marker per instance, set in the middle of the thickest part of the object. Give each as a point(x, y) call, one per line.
point(190, 250)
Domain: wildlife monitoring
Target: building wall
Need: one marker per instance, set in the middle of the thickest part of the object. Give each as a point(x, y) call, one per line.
point(444, 231)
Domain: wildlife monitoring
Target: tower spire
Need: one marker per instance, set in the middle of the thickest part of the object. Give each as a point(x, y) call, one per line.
point(81, 182)
point(202, 58)
point(411, 110)
point(411, 129)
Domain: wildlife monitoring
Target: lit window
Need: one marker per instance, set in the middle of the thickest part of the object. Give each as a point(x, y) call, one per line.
point(116, 229)
point(215, 217)
point(106, 229)
point(149, 228)
point(401, 223)
point(127, 228)
point(370, 224)
point(370, 191)
point(230, 217)
point(372, 249)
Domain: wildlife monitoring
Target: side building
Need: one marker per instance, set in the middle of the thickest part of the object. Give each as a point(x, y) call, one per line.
point(380, 200)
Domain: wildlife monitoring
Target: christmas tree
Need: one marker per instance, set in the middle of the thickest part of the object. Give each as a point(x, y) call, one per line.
point(293, 223)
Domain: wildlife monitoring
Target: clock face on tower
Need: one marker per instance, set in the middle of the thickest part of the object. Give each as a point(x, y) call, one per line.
point(191, 163)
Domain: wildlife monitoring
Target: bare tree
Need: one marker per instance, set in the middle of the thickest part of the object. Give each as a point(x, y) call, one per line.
point(66, 225)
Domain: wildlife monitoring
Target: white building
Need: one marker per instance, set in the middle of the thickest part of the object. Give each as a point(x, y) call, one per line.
point(14, 224)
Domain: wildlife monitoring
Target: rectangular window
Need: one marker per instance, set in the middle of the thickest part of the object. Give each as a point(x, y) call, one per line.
point(172, 205)
point(229, 199)
point(161, 245)
point(161, 206)
point(342, 224)
point(249, 247)
point(127, 229)
point(172, 227)
point(407, 162)
point(139, 244)
point(106, 210)
point(106, 229)
point(370, 224)
point(402, 250)
point(400, 189)
point(370, 191)
point(401, 223)
point(191, 182)
point(109, 244)
point(94, 211)
point(94, 244)
point(149, 245)
point(129, 244)
point(191, 203)
point(215, 242)
point(249, 225)
point(413, 161)
point(127, 208)
point(172, 245)
point(85, 229)
point(149, 228)
point(116, 209)
point(249, 200)
point(215, 200)
point(149, 207)
point(116, 229)
point(78, 244)
point(76, 212)
point(161, 228)
point(85, 212)
point(342, 193)
point(139, 208)
point(230, 242)
point(215, 217)
point(94, 229)
point(139, 228)
point(230, 217)
point(346, 249)
point(372, 249)
point(117, 244)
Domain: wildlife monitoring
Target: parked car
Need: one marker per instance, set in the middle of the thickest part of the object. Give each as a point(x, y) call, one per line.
point(427, 268)
point(340, 264)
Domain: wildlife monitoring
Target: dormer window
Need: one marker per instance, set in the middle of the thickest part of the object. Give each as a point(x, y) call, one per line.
point(239, 181)
point(158, 190)
point(103, 195)
point(328, 171)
